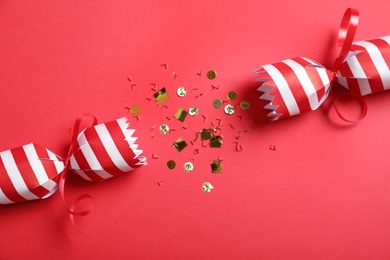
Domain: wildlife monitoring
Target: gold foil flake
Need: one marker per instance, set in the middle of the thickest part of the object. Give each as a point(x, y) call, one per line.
point(164, 129)
point(207, 187)
point(245, 105)
point(211, 74)
point(171, 164)
point(193, 111)
point(181, 92)
point(135, 110)
point(232, 95)
point(216, 142)
point(229, 109)
point(217, 103)
point(188, 167)
point(206, 134)
point(180, 144)
point(181, 114)
point(161, 96)
point(216, 166)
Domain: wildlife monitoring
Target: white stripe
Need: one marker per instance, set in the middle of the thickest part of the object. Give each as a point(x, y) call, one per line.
point(76, 168)
point(358, 73)
point(111, 149)
point(379, 62)
point(284, 89)
point(60, 166)
point(386, 39)
point(35, 163)
point(89, 155)
point(15, 176)
point(127, 132)
point(4, 199)
point(305, 81)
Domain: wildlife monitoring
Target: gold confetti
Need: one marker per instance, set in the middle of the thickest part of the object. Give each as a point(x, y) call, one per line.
point(181, 92)
point(181, 114)
point(232, 95)
point(193, 111)
point(171, 164)
point(207, 187)
point(245, 105)
point(216, 166)
point(135, 110)
point(180, 144)
point(217, 103)
point(216, 142)
point(206, 134)
point(188, 167)
point(164, 129)
point(211, 74)
point(229, 109)
point(161, 96)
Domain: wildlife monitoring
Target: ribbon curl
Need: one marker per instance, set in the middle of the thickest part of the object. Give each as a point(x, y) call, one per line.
point(293, 86)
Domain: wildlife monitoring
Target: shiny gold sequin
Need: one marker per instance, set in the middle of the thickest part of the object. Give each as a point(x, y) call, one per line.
point(216, 166)
point(211, 74)
point(207, 187)
point(181, 92)
point(171, 164)
point(217, 103)
point(188, 167)
point(229, 109)
point(161, 96)
point(245, 105)
point(181, 114)
point(206, 134)
point(135, 110)
point(193, 111)
point(232, 95)
point(164, 129)
point(180, 144)
point(216, 142)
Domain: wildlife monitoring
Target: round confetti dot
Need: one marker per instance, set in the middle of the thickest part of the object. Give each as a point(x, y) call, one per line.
point(135, 110)
point(211, 74)
point(171, 164)
point(232, 95)
point(207, 187)
point(193, 111)
point(217, 103)
point(245, 105)
point(188, 167)
point(229, 109)
point(181, 92)
point(164, 129)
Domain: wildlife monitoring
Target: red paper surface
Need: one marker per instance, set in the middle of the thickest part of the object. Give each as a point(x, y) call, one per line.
point(322, 194)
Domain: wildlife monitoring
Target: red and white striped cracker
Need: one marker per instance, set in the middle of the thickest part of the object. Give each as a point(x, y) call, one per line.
point(106, 150)
point(366, 69)
point(293, 86)
point(28, 172)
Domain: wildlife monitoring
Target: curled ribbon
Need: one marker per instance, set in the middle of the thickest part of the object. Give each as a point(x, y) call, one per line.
point(96, 153)
point(293, 86)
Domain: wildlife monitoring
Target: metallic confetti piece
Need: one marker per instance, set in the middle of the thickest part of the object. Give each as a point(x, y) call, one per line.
point(207, 187)
point(272, 147)
point(199, 73)
point(217, 103)
point(188, 167)
point(193, 111)
point(154, 156)
point(174, 74)
point(161, 96)
point(211, 74)
point(216, 166)
point(135, 110)
point(164, 65)
point(171, 164)
point(206, 134)
point(245, 105)
point(216, 142)
point(164, 129)
point(180, 144)
point(181, 114)
point(214, 87)
point(232, 95)
point(229, 109)
point(153, 127)
point(128, 78)
point(181, 92)
point(159, 183)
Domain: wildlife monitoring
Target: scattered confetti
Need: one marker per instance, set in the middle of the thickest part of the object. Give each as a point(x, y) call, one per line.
point(206, 134)
point(171, 164)
point(211, 74)
point(272, 147)
point(135, 110)
point(159, 183)
point(154, 156)
point(216, 166)
point(164, 129)
point(164, 65)
point(161, 96)
point(199, 73)
point(181, 114)
point(217, 103)
point(207, 187)
point(193, 111)
point(232, 95)
point(245, 105)
point(188, 167)
point(229, 109)
point(216, 142)
point(180, 144)
point(181, 92)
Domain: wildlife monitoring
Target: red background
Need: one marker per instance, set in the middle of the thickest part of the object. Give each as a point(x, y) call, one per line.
point(323, 194)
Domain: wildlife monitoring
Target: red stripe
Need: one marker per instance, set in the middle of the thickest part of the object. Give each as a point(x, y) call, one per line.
point(346, 72)
point(122, 145)
point(384, 48)
point(7, 186)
